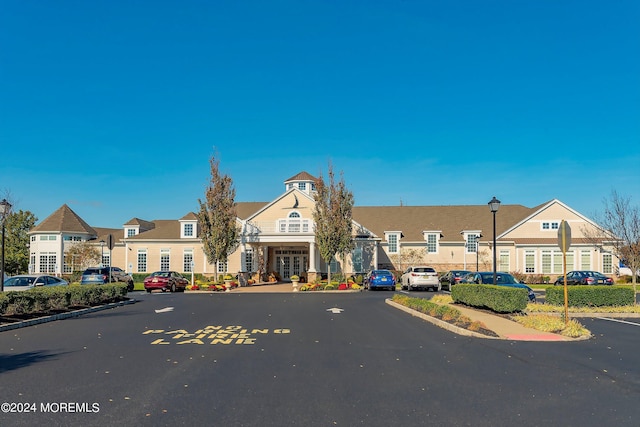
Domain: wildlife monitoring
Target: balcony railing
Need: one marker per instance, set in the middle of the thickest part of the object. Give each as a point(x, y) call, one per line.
point(285, 226)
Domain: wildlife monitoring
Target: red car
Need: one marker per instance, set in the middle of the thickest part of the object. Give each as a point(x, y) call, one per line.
point(165, 281)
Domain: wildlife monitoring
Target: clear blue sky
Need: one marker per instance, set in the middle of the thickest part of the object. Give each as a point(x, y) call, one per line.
point(115, 107)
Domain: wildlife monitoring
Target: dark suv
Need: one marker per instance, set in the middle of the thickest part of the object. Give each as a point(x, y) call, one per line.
point(102, 275)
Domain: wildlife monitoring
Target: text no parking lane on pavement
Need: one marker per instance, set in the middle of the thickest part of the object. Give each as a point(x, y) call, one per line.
point(212, 335)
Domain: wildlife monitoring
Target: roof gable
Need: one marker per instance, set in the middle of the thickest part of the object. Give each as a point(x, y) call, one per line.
point(64, 220)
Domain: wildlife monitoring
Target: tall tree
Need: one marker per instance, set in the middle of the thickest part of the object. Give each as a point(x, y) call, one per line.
point(82, 255)
point(620, 227)
point(333, 219)
point(217, 216)
point(17, 226)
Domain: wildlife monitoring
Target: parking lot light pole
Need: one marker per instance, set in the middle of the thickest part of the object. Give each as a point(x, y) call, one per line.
point(5, 207)
point(494, 205)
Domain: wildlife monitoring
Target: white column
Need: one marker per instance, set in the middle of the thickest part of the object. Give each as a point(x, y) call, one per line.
point(243, 258)
point(313, 268)
point(375, 255)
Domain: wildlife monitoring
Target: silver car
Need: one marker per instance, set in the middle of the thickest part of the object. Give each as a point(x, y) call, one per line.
point(25, 282)
point(420, 277)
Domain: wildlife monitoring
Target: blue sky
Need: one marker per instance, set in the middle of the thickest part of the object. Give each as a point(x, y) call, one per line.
point(115, 107)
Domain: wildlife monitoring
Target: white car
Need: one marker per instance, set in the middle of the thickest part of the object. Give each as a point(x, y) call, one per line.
point(420, 277)
point(25, 282)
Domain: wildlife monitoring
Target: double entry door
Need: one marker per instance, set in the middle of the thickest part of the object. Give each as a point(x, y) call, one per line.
point(291, 262)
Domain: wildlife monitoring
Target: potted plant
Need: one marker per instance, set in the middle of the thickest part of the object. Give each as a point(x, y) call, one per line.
point(227, 281)
point(295, 280)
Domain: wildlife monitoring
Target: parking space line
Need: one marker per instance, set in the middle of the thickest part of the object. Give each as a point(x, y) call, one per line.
point(619, 321)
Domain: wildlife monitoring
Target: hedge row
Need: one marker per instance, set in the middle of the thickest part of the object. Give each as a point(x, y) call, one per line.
point(501, 299)
point(46, 299)
point(591, 296)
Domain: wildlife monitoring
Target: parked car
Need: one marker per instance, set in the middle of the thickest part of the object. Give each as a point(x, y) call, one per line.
point(420, 277)
point(502, 279)
point(380, 279)
point(24, 282)
point(165, 281)
point(452, 277)
point(584, 277)
point(102, 275)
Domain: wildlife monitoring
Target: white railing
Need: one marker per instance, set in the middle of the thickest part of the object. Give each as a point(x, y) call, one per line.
point(284, 226)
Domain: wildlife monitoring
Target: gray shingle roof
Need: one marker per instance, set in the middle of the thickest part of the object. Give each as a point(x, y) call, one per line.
point(64, 220)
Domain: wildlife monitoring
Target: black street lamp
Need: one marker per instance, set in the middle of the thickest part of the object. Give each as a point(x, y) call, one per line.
point(5, 207)
point(494, 205)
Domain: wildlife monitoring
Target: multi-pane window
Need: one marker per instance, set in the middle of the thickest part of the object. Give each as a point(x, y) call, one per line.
point(131, 232)
point(248, 260)
point(503, 261)
point(585, 260)
point(142, 260)
point(188, 230)
point(392, 240)
point(106, 259)
point(165, 260)
point(550, 225)
point(570, 260)
point(607, 263)
point(222, 266)
point(432, 243)
point(472, 243)
point(557, 262)
point(529, 262)
point(546, 262)
point(302, 186)
point(187, 260)
point(48, 262)
point(43, 238)
point(552, 261)
point(356, 259)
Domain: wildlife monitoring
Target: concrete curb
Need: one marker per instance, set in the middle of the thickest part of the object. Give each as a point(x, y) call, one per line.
point(61, 316)
point(441, 323)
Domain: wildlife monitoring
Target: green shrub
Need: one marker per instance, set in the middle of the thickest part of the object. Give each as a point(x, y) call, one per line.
point(501, 299)
point(591, 296)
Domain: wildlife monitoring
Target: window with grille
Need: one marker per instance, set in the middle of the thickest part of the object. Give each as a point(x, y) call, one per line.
point(432, 243)
point(607, 263)
point(503, 261)
point(142, 261)
point(164, 260)
point(356, 259)
point(529, 262)
point(392, 240)
point(585, 260)
point(187, 259)
point(248, 260)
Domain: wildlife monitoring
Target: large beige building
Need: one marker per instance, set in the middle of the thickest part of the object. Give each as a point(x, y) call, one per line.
point(278, 237)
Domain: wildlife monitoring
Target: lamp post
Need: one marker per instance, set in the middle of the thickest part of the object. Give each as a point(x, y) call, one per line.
point(5, 207)
point(494, 205)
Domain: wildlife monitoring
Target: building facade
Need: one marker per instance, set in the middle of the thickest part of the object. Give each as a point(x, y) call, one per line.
point(277, 239)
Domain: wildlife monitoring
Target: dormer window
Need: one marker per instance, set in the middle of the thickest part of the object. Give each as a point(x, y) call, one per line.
point(302, 186)
point(393, 241)
point(187, 229)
